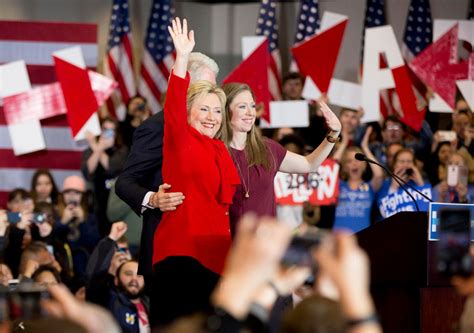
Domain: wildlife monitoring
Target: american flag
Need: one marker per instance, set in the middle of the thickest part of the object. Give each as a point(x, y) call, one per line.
point(308, 24)
point(418, 35)
point(119, 59)
point(308, 20)
point(418, 29)
point(375, 17)
point(158, 57)
point(34, 42)
point(267, 26)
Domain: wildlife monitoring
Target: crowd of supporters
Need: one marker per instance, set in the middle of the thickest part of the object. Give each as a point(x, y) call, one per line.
point(80, 235)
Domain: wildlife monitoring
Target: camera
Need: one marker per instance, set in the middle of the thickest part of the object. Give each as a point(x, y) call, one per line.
point(108, 133)
point(409, 172)
point(452, 252)
point(141, 107)
point(39, 218)
point(72, 203)
point(298, 252)
point(36, 217)
point(23, 302)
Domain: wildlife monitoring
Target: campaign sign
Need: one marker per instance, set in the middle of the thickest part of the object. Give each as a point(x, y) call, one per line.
point(435, 208)
point(319, 188)
point(400, 201)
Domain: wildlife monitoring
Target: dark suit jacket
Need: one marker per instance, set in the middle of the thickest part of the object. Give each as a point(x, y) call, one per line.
point(142, 173)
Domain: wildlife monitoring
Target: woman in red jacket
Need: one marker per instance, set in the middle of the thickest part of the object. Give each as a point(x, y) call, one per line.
point(191, 242)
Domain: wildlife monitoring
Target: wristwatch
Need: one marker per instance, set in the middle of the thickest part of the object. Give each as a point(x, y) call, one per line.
point(332, 139)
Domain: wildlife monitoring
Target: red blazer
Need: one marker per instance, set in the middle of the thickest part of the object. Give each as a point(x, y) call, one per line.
point(203, 170)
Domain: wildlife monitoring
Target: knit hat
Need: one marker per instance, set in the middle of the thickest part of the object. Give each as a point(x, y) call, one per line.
point(74, 183)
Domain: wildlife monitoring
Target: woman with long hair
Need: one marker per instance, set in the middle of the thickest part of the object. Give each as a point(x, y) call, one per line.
point(258, 159)
point(43, 187)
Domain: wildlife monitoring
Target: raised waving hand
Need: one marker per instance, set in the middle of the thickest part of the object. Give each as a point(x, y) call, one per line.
point(183, 43)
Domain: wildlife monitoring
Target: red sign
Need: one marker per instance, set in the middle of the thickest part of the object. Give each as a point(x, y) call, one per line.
point(320, 188)
point(322, 49)
point(254, 72)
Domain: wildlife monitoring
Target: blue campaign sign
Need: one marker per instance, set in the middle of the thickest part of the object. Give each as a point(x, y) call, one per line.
point(435, 208)
point(400, 201)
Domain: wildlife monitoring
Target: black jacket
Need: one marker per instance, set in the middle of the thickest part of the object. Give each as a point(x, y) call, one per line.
point(100, 288)
point(142, 173)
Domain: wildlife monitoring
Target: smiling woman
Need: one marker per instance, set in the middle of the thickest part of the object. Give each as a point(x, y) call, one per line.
point(258, 159)
point(192, 241)
point(205, 103)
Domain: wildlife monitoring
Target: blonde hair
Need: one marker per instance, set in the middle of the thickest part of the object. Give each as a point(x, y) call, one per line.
point(255, 149)
point(468, 161)
point(201, 89)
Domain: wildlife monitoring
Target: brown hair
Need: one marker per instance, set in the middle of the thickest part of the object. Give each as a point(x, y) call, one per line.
point(255, 149)
point(118, 140)
point(344, 175)
point(54, 190)
point(203, 88)
point(401, 151)
point(314, 314)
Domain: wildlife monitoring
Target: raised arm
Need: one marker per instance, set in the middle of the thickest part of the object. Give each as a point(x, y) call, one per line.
point(183, 44)
point(175, 111)
point(294, 163)
point(378, 174)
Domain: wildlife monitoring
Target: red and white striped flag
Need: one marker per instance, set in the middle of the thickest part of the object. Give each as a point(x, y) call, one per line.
point(158, 55)
point(119, 60)
point(34, 42)
point(267, 26)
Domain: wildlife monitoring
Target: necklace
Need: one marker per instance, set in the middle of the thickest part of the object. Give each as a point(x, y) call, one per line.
point(246, 186)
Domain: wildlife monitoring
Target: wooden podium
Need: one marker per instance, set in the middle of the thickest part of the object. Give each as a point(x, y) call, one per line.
point(410, 296)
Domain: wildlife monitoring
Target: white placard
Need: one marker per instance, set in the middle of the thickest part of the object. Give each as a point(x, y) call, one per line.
point(288, 114)
point(72, 55)
point(330, 20)
point(341, 93)
point(437, 104)
point(92, 125)
point(26, 137)
point(14, 79)
point(466, 87)
point(465, 29)
point(250, 44)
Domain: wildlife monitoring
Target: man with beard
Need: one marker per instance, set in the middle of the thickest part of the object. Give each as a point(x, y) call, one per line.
point(114, 283)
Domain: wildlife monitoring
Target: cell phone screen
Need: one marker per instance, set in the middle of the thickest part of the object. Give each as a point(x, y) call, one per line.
point(453, 256)
point(13, 217)
point(299, 251)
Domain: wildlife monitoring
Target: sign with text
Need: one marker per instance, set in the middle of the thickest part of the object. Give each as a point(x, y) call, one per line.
point(400, 201)
point(319, 188)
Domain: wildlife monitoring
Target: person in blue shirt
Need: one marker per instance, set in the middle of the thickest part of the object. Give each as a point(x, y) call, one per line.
point(404, 167)
point(356, 196)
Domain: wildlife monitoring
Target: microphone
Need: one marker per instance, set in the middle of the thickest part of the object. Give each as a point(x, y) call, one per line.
point(403, 184)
